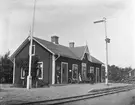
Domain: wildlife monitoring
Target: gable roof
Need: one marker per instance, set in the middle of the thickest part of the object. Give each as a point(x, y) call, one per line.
point(78, 51)
point(57, 48)
point(131, 70)
point(75, 53)
point(19, 48)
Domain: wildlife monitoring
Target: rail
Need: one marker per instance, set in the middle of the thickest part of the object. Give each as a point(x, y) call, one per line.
point(89, 95)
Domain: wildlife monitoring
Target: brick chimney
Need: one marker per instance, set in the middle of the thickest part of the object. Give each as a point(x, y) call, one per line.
point(55, 39)
point(71, 44)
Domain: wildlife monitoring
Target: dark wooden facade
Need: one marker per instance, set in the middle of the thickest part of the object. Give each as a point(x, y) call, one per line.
point(61, 76)
point(44, 56)
point(70, 62)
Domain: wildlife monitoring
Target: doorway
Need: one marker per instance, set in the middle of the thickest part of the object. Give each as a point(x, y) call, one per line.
point(97, 75)
point(64, 72)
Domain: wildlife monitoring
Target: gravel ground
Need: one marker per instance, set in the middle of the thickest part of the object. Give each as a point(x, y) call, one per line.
point(10, 96)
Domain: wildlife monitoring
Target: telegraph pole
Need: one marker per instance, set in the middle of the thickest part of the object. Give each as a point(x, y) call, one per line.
point(29, 77)
point(107, 40)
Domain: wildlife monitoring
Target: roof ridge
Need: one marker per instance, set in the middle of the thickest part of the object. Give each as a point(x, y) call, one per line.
point(42, 39)
point(58, 44)
point(79, 46)
point(50, 41)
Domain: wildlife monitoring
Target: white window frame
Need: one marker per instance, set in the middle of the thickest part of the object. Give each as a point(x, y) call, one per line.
point(22, 71)
point(130, 74)
point(62, 71)
point(84, 64)
point(33, 46)
point(91, 68)
point(77, 71)
point(41, 71)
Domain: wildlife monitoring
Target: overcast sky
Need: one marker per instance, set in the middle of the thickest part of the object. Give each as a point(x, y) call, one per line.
point(72, 20)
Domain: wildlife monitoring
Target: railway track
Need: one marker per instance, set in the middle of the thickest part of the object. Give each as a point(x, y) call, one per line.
point(90, 94)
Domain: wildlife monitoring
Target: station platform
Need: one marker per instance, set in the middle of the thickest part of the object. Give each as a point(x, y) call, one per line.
point(14, 95)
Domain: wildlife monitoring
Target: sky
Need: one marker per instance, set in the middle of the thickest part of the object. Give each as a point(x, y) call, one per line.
point(72, 20)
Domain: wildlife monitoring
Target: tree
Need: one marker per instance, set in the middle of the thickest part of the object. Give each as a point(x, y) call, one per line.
point(6, 68)
point(116, 74)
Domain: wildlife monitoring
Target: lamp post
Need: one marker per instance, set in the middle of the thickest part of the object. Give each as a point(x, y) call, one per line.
point(107, 40)
point(29, 77)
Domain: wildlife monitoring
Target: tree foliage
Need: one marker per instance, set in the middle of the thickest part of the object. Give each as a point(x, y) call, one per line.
point(24, 63)
point(6, 68)
point(116, 74)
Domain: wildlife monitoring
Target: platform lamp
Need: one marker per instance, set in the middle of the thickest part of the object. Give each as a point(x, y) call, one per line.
point(107, 40)
point(29, 77)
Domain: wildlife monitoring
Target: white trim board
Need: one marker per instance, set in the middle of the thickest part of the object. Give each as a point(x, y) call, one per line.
point(53, 69)
point(87, 52)
point(43, 46)
point(19, 48)
point(14, 71)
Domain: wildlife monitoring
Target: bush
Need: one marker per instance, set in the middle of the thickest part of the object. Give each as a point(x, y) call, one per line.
point(42, 83)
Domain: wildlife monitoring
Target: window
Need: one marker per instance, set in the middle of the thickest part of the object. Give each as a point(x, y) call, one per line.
point(86, 56)
point(83, 71)
point(97, 71)
point(22, 73)
point(75, 71)
point(40, 70)
point(33, 50)
point(91, 69)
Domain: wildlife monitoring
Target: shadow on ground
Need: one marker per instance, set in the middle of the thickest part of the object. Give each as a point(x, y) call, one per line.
point(3, 90)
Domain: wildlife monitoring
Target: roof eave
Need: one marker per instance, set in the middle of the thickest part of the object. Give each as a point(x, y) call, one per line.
point(44, 46)
point(18, 49)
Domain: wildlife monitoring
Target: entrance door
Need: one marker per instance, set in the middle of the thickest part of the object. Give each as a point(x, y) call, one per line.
point(97, 75)
point(64, 72)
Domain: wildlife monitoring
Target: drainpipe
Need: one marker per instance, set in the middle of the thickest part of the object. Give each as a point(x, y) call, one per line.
point(57, 57)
